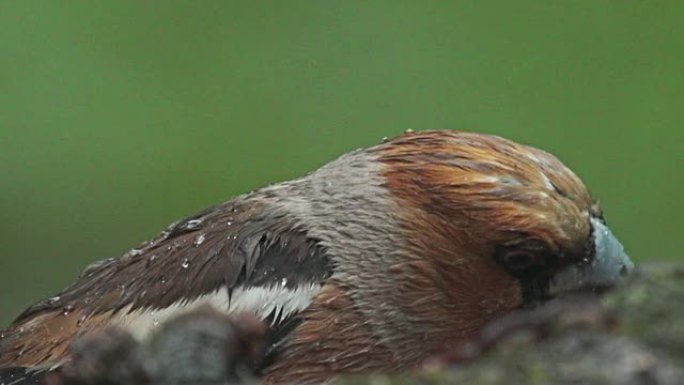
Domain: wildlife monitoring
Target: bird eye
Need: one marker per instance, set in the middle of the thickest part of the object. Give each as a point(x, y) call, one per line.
point(518, 261)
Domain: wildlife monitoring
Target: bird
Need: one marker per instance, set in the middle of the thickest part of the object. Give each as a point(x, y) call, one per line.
point(372, 263)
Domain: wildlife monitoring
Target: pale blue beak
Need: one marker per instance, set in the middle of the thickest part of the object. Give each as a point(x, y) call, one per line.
point(609, 266)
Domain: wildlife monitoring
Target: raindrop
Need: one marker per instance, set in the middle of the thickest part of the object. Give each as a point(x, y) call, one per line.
point(90, 270)
point(54, 300)
point(151, 259)
point(384, 139)
point(67, 309)
point(408, 131)
point(134, 252)
point(155, 323)
point(80, 321)
point(163, 279)
point(186, 263)
point(283, 281)
point(193, 224)
point(229, 223)
point(199, 240)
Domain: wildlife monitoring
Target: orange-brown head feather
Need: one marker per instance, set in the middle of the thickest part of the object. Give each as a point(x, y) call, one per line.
point(489, 186)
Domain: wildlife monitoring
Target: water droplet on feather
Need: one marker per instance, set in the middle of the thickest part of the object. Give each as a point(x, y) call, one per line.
point(193, 224)
point(186, 263)
point(199, 240)
point(90, 270)
point(151, 259)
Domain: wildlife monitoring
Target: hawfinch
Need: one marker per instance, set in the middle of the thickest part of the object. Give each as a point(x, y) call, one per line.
point(372, 263)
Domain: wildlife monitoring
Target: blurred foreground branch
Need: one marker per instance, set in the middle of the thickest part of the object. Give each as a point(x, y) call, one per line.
point(204, 347)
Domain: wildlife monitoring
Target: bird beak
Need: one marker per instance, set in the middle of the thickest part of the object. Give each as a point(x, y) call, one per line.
point(609, 266)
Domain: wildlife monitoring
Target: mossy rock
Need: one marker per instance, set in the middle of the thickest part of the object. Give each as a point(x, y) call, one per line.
point(650, 308)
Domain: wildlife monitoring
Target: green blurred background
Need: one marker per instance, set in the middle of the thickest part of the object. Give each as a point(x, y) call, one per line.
point(119, 117)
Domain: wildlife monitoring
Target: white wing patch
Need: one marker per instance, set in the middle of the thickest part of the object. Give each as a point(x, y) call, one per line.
point(279, 299)
point(261, 301)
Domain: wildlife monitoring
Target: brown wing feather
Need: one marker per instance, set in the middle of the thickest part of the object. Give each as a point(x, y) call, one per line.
point(236, 243)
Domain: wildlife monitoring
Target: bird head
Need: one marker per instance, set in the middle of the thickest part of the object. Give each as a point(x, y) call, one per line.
point(504, 223)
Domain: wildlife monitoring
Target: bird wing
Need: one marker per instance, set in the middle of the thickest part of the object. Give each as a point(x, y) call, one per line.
point(236, 255)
